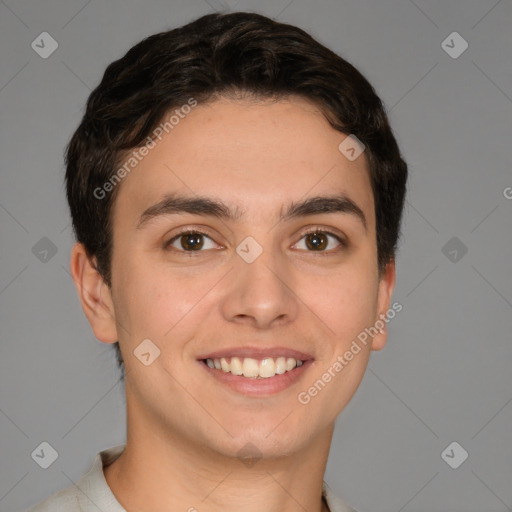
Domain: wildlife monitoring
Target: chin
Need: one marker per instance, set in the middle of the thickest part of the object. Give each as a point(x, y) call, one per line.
point(264, 442)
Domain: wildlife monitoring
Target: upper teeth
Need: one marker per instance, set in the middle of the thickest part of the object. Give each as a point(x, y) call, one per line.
point(248, 367)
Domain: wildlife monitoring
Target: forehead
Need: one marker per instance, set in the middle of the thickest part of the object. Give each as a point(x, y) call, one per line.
point(255, 155)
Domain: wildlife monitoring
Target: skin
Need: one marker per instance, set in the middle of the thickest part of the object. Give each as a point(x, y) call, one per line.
point(184, 428)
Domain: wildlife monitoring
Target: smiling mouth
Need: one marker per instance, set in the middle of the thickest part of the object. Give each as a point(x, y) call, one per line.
point(254, 368)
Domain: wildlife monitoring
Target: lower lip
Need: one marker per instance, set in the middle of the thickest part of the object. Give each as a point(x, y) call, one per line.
point(258, 387)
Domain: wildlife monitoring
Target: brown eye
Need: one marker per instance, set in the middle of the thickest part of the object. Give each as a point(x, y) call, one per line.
point(190, 241)
point(317, 241)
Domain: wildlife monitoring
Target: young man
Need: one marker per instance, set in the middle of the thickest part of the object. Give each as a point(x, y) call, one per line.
point(236, 193)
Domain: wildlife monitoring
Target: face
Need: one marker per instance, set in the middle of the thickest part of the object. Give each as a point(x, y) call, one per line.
point(257, 277)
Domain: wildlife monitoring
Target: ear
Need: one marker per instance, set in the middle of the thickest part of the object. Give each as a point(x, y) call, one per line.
point(386, 287)
point(94, 294)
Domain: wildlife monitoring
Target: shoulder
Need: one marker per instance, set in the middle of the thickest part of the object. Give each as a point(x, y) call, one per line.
point(89, 494)
point(65, 500)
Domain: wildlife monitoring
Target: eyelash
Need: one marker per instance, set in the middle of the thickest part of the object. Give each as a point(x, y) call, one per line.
point(317, 230)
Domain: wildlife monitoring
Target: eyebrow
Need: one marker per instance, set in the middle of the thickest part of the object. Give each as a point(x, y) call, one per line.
point(207, 206)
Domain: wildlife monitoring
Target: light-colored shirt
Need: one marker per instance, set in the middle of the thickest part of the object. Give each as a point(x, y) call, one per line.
point(92, 493)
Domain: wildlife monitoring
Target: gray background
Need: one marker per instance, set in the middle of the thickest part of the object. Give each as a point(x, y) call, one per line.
point(445, 373)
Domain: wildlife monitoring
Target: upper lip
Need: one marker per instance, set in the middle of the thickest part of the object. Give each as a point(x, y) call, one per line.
point(257, 353)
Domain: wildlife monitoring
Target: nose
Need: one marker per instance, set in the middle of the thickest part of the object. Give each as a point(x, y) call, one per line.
point(261, 293)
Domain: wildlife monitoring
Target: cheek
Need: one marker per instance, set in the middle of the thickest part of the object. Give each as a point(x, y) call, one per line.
point(165, 306)
point(346, 303)
point(346, 307)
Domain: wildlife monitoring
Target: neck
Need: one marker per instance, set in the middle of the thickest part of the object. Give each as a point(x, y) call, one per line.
point(170, 472)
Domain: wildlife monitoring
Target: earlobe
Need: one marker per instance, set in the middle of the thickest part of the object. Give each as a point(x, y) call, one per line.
point(386, 288)
point(94, 294)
